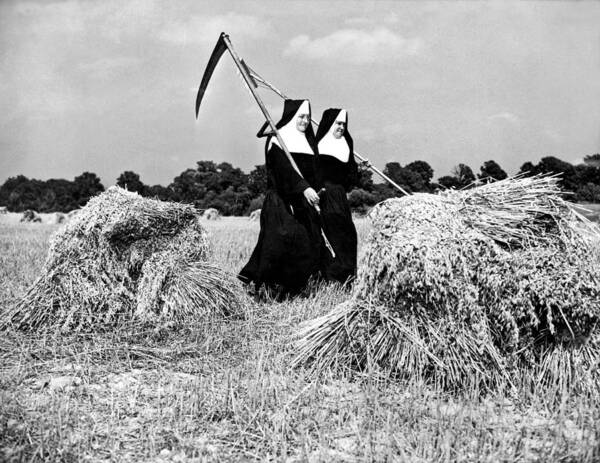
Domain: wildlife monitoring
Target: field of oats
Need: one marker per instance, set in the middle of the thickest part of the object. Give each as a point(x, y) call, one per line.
point(223, 390)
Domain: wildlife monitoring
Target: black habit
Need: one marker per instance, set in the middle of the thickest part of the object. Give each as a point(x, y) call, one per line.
point(337, 176)
point(288, 250)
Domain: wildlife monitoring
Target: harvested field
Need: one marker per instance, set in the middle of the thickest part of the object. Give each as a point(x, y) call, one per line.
point(224, 390)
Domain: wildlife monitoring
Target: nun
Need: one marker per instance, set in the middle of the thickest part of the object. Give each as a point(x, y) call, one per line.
point(289, 244)
point(337, 174)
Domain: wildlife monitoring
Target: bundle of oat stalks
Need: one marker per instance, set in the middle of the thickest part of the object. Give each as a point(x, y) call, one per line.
point(125, 257)
point(470, 286)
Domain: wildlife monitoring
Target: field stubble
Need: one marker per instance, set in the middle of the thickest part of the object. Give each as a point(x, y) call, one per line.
point(222, 390)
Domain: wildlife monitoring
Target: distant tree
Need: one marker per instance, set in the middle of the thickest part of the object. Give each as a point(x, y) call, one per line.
point(586, 173)
point(394, 171)
point(553, 165)
point(209, 175)
point(383, 191)
point(58, 196)
point(26, 195)
point(360, 200)
point(228, 202)
point(257, 180)
point(163, 193)
point(8, 186)
point(571, 177)
point(188, 187)
point(364, 179)
point(206, 166)
point(414, 181)
point(592, 160)
point(53, 195)
point(528, 168)
point(87, 185)
point(435, 187)
point(490, 171)
point(241, 201)
point(222, 186)
point(229, 176)
point(406, 178)
point(590, 192)
point(464, 174)
point(449, 182)
point(578, 180)
point(423, 169)
point(224, 202)
point(255, 203)
point(131, 181)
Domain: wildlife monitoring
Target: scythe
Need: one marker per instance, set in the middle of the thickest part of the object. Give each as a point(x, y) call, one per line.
point(225, 44)
point(251, 77)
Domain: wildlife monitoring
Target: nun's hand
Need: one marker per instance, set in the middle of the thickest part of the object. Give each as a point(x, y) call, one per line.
point(311, 196)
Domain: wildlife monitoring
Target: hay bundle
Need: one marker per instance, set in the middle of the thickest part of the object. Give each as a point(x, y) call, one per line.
point(467, 286)
point(30, 216)
point(126, 257)
point(59, 218)
point(72, 213)
point(211, 214)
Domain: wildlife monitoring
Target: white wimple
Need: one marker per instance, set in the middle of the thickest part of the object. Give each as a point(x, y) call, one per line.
point(336, 147)
point(294, 140)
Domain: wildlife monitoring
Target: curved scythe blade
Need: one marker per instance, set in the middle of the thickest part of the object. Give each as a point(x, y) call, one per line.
point(220, 48)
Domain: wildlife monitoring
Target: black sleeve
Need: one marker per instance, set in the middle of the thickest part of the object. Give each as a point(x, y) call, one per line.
point(287, 180)
point(351, 174)
point(319, 181)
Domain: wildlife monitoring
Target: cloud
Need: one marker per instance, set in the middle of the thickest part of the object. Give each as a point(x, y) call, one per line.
point(358, 21)
point(107, 66)
point(505, 116)
point(382, 133)
point(112, 19)
point(206, 29)
point(390, 18)
point(555, 136)
point(355, 46)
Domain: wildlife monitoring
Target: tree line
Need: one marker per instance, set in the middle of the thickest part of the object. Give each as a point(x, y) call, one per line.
point(234, 192)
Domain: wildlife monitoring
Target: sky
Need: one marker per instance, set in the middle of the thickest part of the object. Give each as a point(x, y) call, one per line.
point(108, 86)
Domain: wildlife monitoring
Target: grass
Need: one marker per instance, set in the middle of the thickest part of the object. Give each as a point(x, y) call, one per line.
point(224, 390)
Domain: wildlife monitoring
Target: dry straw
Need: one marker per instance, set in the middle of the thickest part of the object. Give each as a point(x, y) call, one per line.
point(124, 257)
point(470, 286)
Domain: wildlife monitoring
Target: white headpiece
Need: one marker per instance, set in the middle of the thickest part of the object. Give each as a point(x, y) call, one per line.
point(294, 140)
point(336, 147)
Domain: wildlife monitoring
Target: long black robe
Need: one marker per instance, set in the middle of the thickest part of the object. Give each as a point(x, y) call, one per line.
point(289, 245)
point(337, 178)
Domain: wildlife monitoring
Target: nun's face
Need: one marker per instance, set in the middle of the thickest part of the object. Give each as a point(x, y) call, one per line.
point(302, 121)
point(338, 129)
